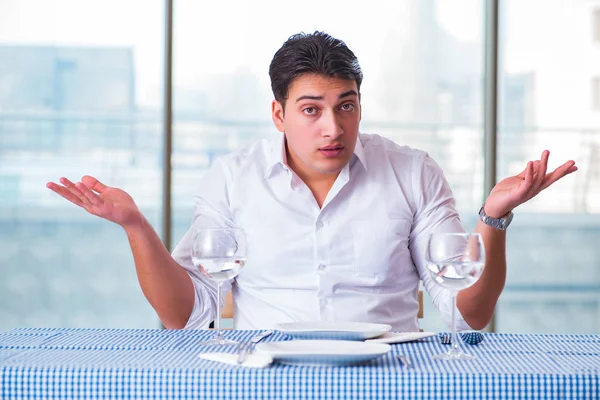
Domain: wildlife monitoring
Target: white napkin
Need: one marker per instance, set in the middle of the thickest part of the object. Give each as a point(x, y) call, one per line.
point(400, 337)
point(254, 360)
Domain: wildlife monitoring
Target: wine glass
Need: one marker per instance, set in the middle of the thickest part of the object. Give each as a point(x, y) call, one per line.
point(455, 262)
point(220, 254)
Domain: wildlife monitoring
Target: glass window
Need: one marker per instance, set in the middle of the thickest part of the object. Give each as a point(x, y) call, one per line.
point(422, 62)
point(80, 93)
point(553, 278)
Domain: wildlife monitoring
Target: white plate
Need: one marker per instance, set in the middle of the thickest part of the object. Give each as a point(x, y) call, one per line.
point(333, 330)
point(400, 337)
point(322, 352)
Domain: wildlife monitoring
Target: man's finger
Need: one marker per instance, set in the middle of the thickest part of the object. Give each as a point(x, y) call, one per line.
point(64, 192)
point(544, 162)
point(93, 184)
point(563, 170)
point(542, 167)
point(537, 180)
point(73, 189)
point(539, 174)
point(528, 180)
point(529, 173)
point(89, 195)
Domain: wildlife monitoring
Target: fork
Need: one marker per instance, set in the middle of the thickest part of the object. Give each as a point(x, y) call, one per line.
point(247, 347)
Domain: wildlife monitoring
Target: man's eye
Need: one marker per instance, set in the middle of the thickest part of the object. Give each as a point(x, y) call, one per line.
point(310, 111)
point(347, 107)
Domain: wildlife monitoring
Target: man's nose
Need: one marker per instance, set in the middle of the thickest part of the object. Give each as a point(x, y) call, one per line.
point(331, 125)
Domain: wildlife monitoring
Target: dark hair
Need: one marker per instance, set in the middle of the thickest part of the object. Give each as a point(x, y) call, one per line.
point(316, 53)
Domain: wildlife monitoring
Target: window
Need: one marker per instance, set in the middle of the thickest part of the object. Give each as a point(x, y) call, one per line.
point(80, 93)
point(552, 282)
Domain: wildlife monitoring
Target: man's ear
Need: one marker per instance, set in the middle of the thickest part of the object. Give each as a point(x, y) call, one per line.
point(277, 115)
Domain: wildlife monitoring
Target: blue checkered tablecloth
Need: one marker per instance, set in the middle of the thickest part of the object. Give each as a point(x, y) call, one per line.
point(153, 364)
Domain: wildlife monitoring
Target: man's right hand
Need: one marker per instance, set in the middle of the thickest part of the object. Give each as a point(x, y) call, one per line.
point(166, 285)
point(98, 199)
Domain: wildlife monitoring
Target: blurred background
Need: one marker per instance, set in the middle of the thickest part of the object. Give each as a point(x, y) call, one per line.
point(81, 92)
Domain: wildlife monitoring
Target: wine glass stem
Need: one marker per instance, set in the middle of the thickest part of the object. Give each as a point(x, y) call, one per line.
point(454, 340)
point(218, 317)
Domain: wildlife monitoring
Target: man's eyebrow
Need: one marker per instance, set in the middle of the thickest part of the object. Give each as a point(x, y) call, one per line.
point(309, 98)
point(348, 93)
point(345, 94)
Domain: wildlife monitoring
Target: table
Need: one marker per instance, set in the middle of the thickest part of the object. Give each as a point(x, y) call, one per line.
point(148, 364)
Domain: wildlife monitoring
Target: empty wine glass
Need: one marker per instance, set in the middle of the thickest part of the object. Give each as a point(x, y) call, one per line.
point(220, 254)
point(455, 261)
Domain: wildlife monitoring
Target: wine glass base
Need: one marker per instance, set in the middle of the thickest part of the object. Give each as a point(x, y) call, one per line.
point(453, 355)
point(218, 341)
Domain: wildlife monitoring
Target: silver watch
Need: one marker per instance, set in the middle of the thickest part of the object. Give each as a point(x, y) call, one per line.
point(499, 223)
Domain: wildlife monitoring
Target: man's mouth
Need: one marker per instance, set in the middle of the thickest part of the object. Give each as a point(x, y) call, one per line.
point(332, 151)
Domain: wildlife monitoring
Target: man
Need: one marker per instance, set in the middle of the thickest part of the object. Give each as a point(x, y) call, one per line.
point(336, 221)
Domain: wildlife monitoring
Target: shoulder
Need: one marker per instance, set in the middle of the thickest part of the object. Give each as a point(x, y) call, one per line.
point(378, 148)
point(409, 165)
point(254, 157)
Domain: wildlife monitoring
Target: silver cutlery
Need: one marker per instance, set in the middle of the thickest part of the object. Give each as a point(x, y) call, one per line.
point(246, 348)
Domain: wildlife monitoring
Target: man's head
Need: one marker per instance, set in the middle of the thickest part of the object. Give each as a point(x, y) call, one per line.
point(317, 53)
point(316, 83)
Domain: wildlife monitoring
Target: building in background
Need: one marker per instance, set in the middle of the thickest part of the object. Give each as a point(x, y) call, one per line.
point(62, 107)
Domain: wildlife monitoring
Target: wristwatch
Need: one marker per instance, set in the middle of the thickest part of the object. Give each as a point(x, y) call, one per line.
point(499, 223)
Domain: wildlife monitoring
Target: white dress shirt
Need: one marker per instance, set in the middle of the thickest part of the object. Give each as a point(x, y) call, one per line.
point(357, 258)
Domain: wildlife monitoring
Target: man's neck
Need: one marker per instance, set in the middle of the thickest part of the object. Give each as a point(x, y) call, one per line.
point(320, 187)
point(318, 183)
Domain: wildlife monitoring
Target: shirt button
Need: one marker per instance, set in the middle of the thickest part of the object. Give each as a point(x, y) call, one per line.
point(319, 225)
point(321, 267)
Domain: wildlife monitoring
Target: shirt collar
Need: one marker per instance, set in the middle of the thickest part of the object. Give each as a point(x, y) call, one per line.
point(277, 156)
point(359, 152)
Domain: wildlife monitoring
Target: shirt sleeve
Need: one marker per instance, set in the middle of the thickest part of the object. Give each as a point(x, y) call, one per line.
point(211, 209)
point(435, 212)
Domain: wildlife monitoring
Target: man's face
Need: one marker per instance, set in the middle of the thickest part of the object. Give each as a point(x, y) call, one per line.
point(320, 122)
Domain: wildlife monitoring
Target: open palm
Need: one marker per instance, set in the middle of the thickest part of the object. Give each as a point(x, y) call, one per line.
point(98, 199)
point(515, 190)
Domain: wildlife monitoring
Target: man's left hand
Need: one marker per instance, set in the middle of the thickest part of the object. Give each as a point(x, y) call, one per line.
point(511, 192)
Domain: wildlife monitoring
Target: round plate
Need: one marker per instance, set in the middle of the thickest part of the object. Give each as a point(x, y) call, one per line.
point(333, 330)
point(323, 352)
